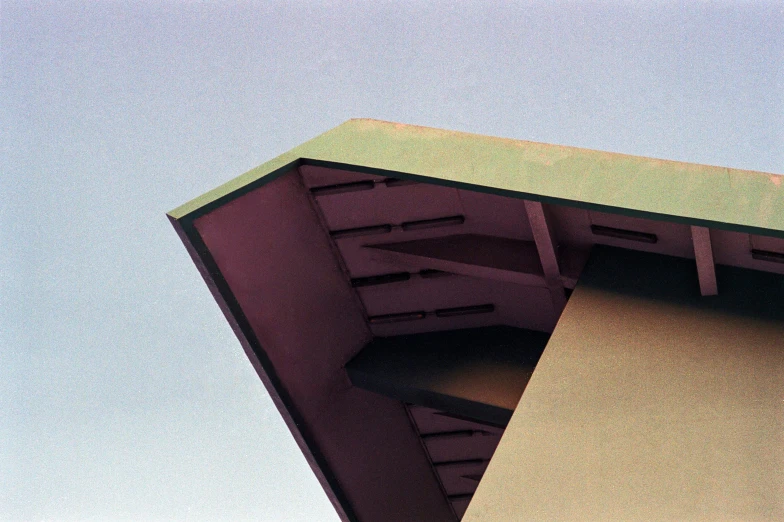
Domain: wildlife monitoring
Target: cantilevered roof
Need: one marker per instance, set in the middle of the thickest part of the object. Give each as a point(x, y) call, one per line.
point(395, 287)
point(731, 199)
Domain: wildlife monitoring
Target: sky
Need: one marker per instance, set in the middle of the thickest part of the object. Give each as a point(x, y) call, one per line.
point(124, 395)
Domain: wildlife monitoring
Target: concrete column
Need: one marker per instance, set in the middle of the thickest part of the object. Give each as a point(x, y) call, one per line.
point(650, 403)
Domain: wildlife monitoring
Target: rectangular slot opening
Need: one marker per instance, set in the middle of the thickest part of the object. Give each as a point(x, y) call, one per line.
point(396, 318)
point(432, 223)
point(395, 182)
point(380, 279)
point(767, 255)
point(341, 188)
point(619, 233)
point(361, 231)
point(465, 310)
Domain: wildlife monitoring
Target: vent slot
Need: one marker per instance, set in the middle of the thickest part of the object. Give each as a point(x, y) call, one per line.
point(387, 228)
point(355, 186)
point(361, 231)
point(619, 233)
point(767, 255)
point(396, 318)
point(465, 310)
point(421, 314)
point(433, 274)
point(395, 182)
point(396, 277)
point(455, 463)
point(380, 279)
point(432, 223)
point(457, 434)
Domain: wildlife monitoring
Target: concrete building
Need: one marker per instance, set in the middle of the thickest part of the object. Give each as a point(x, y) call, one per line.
point(459, 326)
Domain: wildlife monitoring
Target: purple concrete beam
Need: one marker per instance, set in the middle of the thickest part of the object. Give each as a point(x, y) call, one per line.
point(546, 247)
point(703, 254)
point(472, 255)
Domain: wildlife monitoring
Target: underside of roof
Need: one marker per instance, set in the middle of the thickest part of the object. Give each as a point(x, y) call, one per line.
point(395, 286)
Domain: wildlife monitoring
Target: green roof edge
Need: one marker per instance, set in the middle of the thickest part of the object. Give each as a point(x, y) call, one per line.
point(731, 199)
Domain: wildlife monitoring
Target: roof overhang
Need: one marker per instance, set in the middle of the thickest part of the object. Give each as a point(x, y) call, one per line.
point(720, 197)
point(334, 259)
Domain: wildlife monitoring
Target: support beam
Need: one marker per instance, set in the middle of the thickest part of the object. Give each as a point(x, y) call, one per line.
point(546, 246)
point(475, 373)
point(703, 254)
point(476, 255)
point(473, 255)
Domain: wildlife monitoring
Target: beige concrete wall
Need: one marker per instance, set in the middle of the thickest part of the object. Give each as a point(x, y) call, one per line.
point(650, 403)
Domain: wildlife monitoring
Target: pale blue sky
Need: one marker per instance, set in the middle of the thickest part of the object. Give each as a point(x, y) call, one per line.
point(123, 393)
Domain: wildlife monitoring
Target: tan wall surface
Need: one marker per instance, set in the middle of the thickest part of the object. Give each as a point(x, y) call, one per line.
point(650, 402)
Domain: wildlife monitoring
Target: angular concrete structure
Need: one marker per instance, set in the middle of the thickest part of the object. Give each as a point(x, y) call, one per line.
point(651, 402)
point(605, 328)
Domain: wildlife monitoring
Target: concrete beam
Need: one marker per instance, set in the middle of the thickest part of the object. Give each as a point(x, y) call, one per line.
point(703, 254)
point(476, 373)
point(476, 255)
point(547, 247)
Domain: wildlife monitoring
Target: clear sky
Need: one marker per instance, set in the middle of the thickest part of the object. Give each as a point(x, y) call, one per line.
point(123, 393)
